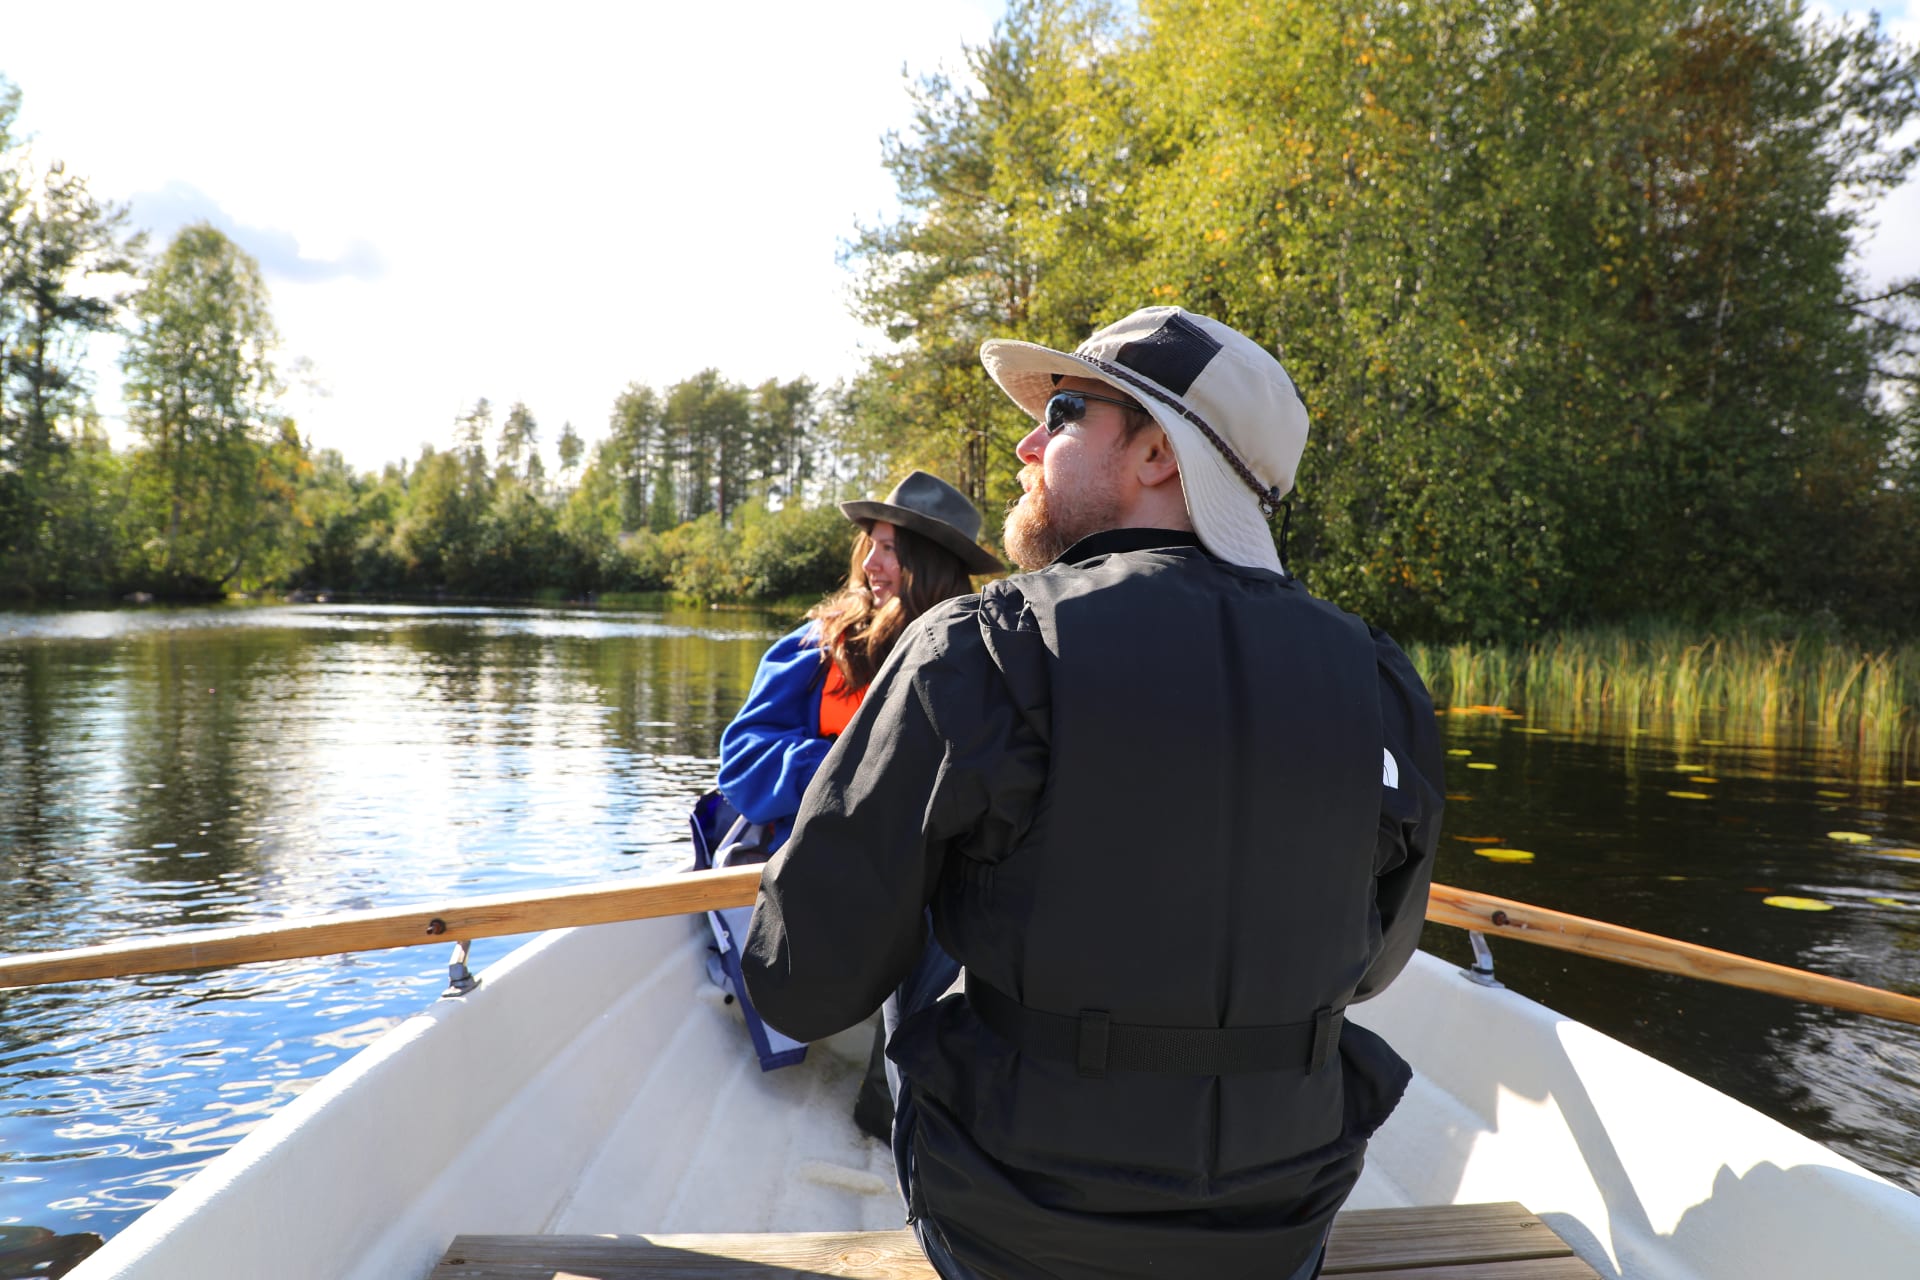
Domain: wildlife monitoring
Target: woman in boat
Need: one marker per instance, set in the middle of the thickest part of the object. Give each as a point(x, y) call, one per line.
point(915, 549)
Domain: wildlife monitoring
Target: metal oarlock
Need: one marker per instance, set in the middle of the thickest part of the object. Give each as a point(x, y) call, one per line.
point(1482, 970)
point(459, 979)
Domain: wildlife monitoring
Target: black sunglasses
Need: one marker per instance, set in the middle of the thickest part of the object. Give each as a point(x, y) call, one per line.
point(1071, 406)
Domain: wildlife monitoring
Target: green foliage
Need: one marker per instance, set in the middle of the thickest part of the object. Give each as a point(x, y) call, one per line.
point(215, 481)
point(795, 551)
point(1565, 285)
point(63, 256)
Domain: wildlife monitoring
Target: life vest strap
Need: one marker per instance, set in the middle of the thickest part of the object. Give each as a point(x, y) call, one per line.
point(1096, 1044)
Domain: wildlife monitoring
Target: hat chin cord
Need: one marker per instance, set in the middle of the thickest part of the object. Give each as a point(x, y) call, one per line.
point(1268, 495)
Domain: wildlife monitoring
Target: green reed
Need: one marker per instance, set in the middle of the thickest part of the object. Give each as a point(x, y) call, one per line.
point(1851, 695)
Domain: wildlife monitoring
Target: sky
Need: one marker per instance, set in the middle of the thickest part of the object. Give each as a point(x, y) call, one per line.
point(526, 203)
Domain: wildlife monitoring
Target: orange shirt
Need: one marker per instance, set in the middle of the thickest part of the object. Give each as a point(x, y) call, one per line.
point(837, 702)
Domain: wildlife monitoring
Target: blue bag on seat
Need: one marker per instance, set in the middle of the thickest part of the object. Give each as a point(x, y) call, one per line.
point(724, 838)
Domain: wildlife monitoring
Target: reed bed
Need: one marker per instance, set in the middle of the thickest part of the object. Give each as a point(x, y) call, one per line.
point(1854, 696)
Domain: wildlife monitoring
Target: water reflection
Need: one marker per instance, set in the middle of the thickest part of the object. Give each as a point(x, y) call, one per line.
point(163, 769)
point(1689, 837)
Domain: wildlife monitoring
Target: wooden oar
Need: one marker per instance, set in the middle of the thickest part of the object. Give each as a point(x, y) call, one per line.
point(426, 924)
point(1506, 918)
point(686, 892)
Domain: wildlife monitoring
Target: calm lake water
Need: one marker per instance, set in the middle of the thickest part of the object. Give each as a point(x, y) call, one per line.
point(171, 769)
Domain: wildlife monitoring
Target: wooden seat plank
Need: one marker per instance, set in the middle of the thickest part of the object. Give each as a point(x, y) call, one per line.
point(1446, 1242)
point(855, 1255)
point(1565, 1267)
point(1438, 1235)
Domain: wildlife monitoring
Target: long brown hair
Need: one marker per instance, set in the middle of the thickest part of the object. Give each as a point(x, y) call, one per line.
point(856, 634)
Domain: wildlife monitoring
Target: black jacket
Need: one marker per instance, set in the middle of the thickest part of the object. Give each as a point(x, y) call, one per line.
point(1143, 782)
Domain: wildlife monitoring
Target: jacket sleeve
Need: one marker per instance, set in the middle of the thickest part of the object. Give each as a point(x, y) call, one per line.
point(937, 763)
point(772, 749)
point(1412, 796)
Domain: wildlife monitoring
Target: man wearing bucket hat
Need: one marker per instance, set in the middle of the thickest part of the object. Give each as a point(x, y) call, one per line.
point(1172, 814)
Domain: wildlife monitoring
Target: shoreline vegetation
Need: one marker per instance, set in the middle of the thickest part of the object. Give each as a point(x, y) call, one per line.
point(1763, 682)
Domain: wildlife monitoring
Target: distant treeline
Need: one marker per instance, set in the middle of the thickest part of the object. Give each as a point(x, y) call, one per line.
point(1566, 287)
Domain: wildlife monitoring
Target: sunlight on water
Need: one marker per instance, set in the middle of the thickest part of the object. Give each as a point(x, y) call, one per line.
point(163, 769)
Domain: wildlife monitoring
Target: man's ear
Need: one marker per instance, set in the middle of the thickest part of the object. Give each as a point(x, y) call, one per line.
point(1156, 464)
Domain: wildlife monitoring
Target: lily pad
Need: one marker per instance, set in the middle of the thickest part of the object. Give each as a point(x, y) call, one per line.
point(1797, 904)
point(1506, 855)
point(1689, 795)
point(1850, 837)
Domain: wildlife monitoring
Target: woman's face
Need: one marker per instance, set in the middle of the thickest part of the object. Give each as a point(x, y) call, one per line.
point(882, 565)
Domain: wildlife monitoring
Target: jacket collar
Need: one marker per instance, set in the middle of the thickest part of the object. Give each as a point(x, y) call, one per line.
point(1110, 542)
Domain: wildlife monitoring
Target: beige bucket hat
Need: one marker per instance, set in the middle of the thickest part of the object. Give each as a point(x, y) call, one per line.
point(1236, 422)
point(935, 509)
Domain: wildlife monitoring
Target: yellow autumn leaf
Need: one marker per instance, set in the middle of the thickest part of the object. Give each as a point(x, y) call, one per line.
point(1850, 837)
point(1832, 795)
point(1459, 751)
point(1481, 764)
point(1689, 768)
point(1798, 904)
point(1506, 855)
point(1689, 795)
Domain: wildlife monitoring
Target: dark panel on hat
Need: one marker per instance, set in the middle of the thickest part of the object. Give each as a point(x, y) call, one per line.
point(1172, 355)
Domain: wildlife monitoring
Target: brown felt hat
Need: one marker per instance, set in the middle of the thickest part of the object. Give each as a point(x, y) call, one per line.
point(935, 510)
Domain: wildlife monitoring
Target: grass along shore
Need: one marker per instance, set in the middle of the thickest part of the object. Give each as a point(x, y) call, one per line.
point(1864, 698)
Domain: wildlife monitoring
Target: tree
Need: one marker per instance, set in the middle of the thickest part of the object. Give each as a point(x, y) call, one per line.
point(634, 453)
point(571, 449)
point(985, 245)
point(58, 247)
point(519, 440)
point(1564, 285)
point(200, 390)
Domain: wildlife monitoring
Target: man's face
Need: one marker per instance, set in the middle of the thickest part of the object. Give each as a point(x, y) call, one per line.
point(1073, 482)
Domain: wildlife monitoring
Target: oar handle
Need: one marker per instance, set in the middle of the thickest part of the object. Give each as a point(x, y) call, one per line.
point(1503, 917)
point(422, 925)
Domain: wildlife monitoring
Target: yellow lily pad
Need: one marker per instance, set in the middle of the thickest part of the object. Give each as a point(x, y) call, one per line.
point(1850, 837)
point(1481, 764)
point(1506, 855)
point(1459, 751)
point(1689, 795)
point(1798, 904)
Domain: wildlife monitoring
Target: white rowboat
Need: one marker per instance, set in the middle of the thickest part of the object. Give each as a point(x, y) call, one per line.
point(596, 1082)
